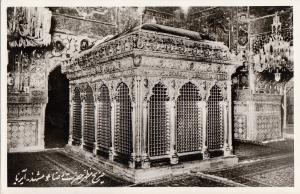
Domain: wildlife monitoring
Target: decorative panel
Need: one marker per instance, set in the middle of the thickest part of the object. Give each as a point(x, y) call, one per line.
point(268, 127)
point(104, 120)
point(89, 120)
point(123, 128)
point(22, 133)
point(159, 127)
point(76, 118)
point(240, 127)
point(215, 124)
point(189, 120)
point(23, 110)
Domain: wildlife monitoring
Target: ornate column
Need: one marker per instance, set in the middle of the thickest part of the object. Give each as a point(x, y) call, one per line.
point(71, 104)
point(229, 116)
point(173, 154)
point(133, 154)
point(137, 113)
point(113, 124)
point(82, 120)
point(203, 106)
point(96, 105)
point(226, 148)
point(145, 160)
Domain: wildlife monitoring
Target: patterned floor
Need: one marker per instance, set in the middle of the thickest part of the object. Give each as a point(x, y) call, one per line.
point(276, 172)
point(184, 181)
point(279, 177)
point(273, 166)
point(59, 167)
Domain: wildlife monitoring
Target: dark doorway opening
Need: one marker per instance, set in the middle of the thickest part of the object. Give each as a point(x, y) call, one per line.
point(57, 110)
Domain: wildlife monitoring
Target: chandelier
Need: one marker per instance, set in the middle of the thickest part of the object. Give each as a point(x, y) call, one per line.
point(28, 26)
point(275, 56)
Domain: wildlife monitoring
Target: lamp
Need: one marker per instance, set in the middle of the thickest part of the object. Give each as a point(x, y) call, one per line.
point(277, 75)
point(276, 54)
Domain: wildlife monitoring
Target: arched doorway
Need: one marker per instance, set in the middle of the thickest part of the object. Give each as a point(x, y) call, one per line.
point(57, 110)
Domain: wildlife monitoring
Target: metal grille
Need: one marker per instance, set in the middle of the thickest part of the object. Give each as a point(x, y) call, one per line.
point(189, 120)
point(104, 117)
point(123, 130)
point(89, 120)
point(76, 117)
point(159, 130)
point(214, 119)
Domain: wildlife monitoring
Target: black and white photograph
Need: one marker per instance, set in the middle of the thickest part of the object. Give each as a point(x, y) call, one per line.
point(173, 95)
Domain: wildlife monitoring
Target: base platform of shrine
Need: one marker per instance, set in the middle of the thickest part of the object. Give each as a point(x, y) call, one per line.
point(139, 175)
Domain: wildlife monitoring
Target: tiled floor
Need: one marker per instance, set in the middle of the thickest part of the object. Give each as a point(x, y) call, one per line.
point(273, 166)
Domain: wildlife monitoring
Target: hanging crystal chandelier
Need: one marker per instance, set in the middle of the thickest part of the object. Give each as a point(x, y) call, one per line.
point(276, 55)
point(28, 26)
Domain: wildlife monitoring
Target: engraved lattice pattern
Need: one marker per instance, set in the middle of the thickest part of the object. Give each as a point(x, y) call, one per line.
point(76, 117)
point(123, 129)
point(189, 120)
point(89, 120)
point(159, 130)
point(104, 117)
point(214, 119)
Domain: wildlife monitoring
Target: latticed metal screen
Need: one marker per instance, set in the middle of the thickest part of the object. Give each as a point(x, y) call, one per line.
point(76, 117)
point(89, 120)
point(215, 119)
point(158, 127)
point(189, 120)
point(123, 128)
point(104, 118)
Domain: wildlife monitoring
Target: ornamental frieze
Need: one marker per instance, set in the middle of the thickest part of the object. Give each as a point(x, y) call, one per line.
point(174, 85)
point(268, 97)
point(183, 65)
point(153, 42)
point(23, 110)
point(17, 98)
point(268, 107)
point(66, 46)
point(112, 86)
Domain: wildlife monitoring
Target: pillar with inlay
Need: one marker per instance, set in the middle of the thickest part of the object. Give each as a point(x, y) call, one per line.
point(113, 123)
point(145, 160)
point(71, 104)
point(173, 154)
